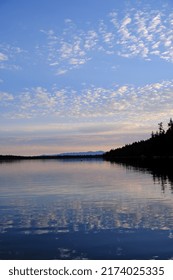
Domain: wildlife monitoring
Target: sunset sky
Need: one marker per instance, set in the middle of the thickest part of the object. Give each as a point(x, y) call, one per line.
point(81, 75)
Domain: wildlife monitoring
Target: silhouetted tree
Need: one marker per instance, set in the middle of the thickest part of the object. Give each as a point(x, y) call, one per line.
point(152, 134)
point(170, 125)
point(161, 130)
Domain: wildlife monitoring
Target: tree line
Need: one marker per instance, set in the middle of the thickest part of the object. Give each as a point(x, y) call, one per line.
point(160, 144)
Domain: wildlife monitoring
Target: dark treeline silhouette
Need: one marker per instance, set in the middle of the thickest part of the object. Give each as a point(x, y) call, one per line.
point(10, 158)
point(159, 145)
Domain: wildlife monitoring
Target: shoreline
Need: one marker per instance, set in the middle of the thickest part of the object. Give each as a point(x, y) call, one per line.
point(46, 157)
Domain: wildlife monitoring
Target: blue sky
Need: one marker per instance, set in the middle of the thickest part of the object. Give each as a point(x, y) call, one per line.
point(83, 75)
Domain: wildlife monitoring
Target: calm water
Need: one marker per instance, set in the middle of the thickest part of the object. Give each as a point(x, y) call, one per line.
point(88, 209)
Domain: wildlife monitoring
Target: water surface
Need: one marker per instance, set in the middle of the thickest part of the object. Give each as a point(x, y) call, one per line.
point(83, 209)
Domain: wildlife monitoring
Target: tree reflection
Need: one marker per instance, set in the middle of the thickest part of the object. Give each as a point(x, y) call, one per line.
point(160, 169)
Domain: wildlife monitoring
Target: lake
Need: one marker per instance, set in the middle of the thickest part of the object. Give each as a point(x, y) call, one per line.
point(84, 209)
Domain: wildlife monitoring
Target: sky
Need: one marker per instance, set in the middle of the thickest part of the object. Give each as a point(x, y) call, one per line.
point(83, 75)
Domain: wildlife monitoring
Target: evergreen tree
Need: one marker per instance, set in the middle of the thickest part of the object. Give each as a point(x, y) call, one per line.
point(161, 130)
point(170, 125)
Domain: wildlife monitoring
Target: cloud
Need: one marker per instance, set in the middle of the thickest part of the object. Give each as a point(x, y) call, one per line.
point(9, 55)
point(156, 24)
point(68, 51)
point(61, 72)
point(90, 40)
point(138, 32)
point(3, 57)
point(145, 31)
point(141, 33)
point(124, 103)
point(77, 61)
point(126, 21)
point(5, 96)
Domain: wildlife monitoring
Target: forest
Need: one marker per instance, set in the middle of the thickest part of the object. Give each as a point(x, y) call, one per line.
point(159, 145)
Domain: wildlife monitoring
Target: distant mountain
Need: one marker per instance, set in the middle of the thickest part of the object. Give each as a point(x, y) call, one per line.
point(90, 154)
point(75, 154)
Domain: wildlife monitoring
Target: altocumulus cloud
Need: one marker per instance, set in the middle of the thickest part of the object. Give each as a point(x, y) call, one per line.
point(121, 102)
point(9, 54)
point(138, 33)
